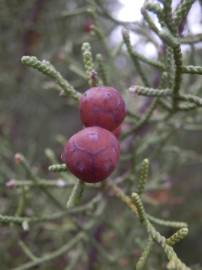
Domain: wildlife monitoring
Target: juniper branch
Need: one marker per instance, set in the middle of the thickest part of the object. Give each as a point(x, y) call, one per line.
point(5, 219)
point(151, 92)
point(35, 180)
point(27, 251)
point(58, 183)
point(191, 98)
point(156, 236)
point(178, 74)
point(101, 69)
point(167, 223)
point(78, 11)
point(168, 15)
point(122, 196)
point(76, 194)
point(143, 258)
point(144, 118)
point(153, 63)
point(169, 251)
point(143, 176)
point(48, 69)
point(192, 69)
point(156, 9)
point(177, 237)
point(170, 66)
point(126, 39)
point(51, 256)
point(164, 34)
point(89, 64)
point(191, 39)
point(58, 168)
point(182, 10)
point(75, 260)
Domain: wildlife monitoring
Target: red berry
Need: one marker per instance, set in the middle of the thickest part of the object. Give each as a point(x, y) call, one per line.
point(92, 154)
point(117, 132)
point(88, 26)
point(102, 106)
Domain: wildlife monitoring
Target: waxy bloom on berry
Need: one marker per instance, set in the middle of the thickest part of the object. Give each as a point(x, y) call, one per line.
point(92, 154)
point(102, 106)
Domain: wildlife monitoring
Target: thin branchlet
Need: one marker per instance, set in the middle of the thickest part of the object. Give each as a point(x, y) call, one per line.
point(89, 64)
point(48, 69)
point(145, 254)
point(158, 238)
point(182, 10)
point(102, 69)
point(76, 194)
point(134, 58)
point(143, 176)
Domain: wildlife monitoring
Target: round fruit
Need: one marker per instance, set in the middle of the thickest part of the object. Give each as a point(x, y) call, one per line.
point(92, 154)
point(102, 106)
point(88, 26)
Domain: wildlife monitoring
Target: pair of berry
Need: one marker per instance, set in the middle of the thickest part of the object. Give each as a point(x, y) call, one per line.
point(93, 153)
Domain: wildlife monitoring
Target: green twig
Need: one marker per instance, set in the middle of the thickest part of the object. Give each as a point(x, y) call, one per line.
point(89, 64)
point(168, 15)
point(48, 69)
point(167, 223)
point(122, 196)
point(59, 183)
point(51, 256)
point(76, 258)
point(169, 251)
point(156, 64)
point(134, 58)
point(143, 259)
point(76, 194)
point(191, 39)
point(182, 10)
point(170, 66)
point(101, 69)
point(57, 168)
point(164, 34)
point(4, 219)
point(22, 202)
point(178, 75)
point(27, 251)
point(191, 98)
point(76, 12)
point(143, 176)
point(177, 237)
point(143, 120)
point(24, 163)
point(151, 92)
point(156, 236)
point(192, 69)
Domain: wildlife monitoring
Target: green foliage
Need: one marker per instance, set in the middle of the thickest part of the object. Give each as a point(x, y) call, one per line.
point(46, 68)
point(97, 227)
